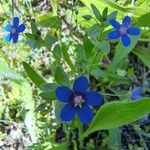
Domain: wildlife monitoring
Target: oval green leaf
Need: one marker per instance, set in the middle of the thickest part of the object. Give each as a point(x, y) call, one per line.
point(116, 114)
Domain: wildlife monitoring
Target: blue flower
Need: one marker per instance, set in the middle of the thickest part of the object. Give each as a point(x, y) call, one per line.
point(123, 30)
point(78, 100)
point(136, 93)
point(14, 30)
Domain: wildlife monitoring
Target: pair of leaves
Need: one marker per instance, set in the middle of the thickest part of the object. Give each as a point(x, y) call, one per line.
point(116, 114)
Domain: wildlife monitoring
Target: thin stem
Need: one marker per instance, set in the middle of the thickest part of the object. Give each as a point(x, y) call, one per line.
point(107, 94)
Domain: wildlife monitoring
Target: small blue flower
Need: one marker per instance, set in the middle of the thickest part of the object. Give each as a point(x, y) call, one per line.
point(136, 94)
point(78, 100)
point(14, 30)
point(122, 30)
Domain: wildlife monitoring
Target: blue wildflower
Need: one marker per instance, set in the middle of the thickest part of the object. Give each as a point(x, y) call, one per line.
point(122, 30)
point(136, 93)
point(14, 30)
point(78, 100)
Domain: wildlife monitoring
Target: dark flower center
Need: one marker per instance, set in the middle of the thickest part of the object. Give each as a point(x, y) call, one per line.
point(78, 101)
point(123, 30)
point(13, 30)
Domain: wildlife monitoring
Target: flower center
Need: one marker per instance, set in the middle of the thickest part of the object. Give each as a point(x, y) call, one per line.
point(123, 30)
point(78, 101)
point(13, 30)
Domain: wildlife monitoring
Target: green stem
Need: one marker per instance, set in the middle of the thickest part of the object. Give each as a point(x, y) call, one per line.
point(114, 139)
point(75, 145)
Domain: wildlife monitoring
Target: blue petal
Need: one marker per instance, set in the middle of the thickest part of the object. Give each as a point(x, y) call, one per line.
point(115, 24)
point(126, 40)
point(64, 94)
point(85, 114)
point(113, 35)
point(126, 21)
point(15, 38)
point(133, 31)
point(8, 37)
point(21, 28)
point(93, 98)
point(80, 85)
point(67, 113)
point(15, 21)
point(138, 90)
point(136, 93)
point(136, 97)
point(8, 27)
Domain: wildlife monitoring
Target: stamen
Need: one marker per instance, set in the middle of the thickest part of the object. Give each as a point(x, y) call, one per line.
point(13, 30)
point(123, 30)
point(78, 101)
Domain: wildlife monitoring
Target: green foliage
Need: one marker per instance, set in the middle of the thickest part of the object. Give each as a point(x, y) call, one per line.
point(142, 21)
point(144, 55)
point(122, 52)
point(36, 78)
point(48, 20)
point(67, 57)
point(116, 114)
point(63, 46)
point(61, 77)
point(96, 12)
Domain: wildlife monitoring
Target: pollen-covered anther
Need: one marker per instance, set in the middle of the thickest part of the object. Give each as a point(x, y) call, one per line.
point(78, 101)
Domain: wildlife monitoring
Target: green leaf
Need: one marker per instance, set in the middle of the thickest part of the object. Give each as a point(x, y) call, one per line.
point(49, 40)
point(7, 72)
point(96, 12)
point(87, 17)
point(34, 41)
point(143, 21)
point(57, 52)
point(97, 72)
point(47, 20)
point(115, 114)
point(35, 77)
point(41, 107)
point(104, 46)
point(34, 29)
point(104, 14)
point(47, 96)
point(144, 55)
point(122, 51)
point(94, 32)
point(88, 47)
point(67, 57)
point(61, 77)
point(48, 87)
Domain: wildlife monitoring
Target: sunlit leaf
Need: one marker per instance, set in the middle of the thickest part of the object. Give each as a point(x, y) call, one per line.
point(116, 114)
